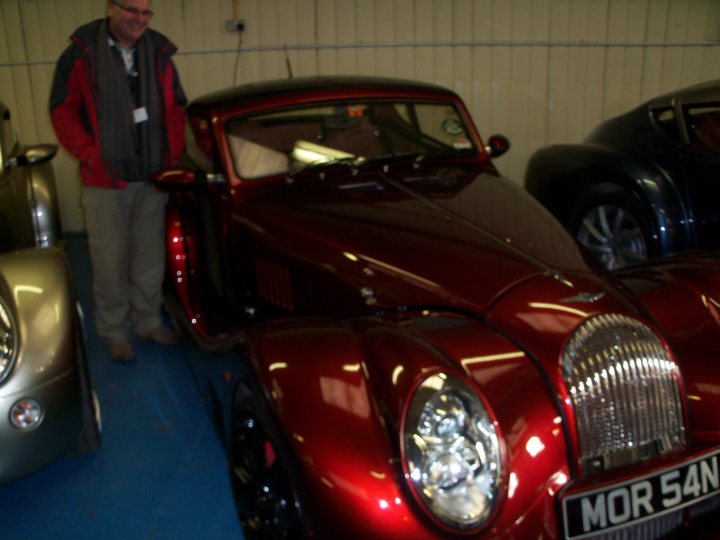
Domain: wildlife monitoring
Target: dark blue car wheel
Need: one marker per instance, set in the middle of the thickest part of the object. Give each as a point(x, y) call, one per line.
point(615, 228)
point(266, 501)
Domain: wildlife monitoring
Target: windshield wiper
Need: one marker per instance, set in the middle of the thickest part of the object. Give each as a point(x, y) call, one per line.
point(447, 152)
point(419, 157)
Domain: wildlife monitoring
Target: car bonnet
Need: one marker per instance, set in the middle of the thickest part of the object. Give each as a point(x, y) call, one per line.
point(450, 237)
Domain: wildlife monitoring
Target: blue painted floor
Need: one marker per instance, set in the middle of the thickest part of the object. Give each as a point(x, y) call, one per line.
point(160, 472)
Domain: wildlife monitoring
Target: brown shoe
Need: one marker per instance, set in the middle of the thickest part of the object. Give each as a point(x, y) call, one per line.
point(161, 335)
point(121, 351)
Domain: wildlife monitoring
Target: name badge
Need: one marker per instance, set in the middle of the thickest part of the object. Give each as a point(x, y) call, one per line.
point(140, 115)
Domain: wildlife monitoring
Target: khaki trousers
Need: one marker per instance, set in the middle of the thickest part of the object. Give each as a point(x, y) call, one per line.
point(126, 239)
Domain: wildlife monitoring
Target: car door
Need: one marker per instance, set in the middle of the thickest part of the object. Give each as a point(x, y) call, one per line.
point(204, 212)
point(701, 165)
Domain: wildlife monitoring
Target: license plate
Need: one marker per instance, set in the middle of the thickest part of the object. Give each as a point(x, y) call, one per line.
point(625, 503)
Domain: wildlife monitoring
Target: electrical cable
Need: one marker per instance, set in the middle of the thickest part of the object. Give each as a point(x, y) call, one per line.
point(237, 58)
point(236, 11)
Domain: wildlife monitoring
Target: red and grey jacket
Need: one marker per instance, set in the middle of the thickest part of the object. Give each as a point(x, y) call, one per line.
point(74, 99)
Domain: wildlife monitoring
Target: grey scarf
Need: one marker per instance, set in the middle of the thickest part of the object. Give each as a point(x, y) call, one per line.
point(129, 151)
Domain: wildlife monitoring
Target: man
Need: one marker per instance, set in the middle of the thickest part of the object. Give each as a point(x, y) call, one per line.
point(117, 106)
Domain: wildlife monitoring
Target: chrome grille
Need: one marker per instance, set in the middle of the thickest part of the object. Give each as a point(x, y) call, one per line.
point(624, 387)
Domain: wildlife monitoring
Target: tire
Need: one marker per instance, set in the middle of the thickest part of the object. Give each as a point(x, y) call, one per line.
point(614, 227)
point(265, 498)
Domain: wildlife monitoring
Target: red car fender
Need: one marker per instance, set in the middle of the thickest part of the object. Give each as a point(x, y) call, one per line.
point(683, 296)
point(514, 389)
point(338, 392)
point(541, 315)
point(316, 380)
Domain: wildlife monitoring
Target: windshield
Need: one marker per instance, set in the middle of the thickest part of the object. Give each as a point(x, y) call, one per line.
point(284, 141)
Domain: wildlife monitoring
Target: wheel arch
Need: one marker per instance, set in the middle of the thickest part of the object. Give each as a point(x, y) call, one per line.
point(45, 205)
point(337, 391)
point(311, 375)
point(562, 173)
point(255, 439)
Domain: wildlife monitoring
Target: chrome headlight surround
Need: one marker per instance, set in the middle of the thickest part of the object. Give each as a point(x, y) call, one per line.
point(8, 341)
point(452, 454)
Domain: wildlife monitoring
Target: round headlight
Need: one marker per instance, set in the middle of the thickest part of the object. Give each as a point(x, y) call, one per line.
point(8, 342)
point(451, 452)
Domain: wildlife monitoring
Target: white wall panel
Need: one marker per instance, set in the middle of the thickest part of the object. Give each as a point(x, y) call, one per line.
point(539, 71)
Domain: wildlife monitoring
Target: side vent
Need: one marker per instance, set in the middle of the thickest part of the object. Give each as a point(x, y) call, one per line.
point(273, 283)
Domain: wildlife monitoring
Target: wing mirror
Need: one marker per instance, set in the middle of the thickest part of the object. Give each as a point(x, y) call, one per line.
point(497, 145)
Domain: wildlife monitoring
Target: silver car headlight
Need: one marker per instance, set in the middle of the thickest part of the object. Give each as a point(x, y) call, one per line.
point(451, 452)
point(8, 342)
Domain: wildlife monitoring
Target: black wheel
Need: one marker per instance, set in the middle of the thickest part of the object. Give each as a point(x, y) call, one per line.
point(266, 501)
point(614, 227)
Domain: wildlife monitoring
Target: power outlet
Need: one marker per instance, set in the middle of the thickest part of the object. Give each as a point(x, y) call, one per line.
point(235, 25)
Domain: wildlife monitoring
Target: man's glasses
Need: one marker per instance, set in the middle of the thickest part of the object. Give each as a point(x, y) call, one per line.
point(137, 12)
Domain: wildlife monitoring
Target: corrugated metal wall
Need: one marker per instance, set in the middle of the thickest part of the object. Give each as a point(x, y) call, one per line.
point(538, 71)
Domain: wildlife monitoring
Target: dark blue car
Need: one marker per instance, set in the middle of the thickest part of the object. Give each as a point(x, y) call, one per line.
point(643, 184)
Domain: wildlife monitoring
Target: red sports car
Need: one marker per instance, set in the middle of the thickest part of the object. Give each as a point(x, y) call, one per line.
point(423, 350)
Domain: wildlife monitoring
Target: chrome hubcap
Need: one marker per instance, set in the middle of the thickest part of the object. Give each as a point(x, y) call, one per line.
point(613, 236)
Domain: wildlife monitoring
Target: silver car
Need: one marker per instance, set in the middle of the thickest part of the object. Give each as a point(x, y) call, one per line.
point(48, 408)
